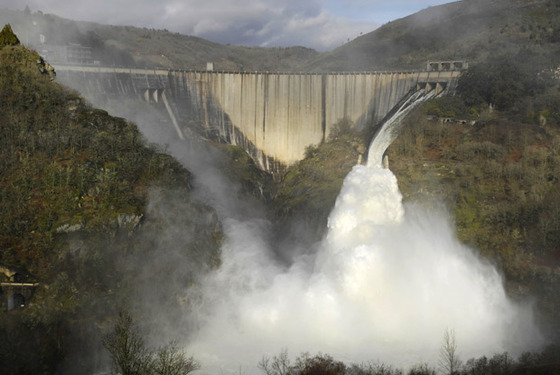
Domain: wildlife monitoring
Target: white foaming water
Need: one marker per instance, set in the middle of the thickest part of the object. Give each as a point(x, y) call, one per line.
point(385, 136)
point(384, 285)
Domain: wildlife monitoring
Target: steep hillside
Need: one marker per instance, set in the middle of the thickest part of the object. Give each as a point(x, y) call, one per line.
point(83, 198)
point(499, 178)
point(470, 30)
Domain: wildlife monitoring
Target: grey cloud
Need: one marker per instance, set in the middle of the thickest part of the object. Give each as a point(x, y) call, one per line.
point(319, 24)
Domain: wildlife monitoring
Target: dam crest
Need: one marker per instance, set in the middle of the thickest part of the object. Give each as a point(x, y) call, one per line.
point(274, 116)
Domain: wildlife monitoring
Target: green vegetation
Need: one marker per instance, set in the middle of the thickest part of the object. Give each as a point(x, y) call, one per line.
point(75, 184)
point(151, 47)
point(7, 37)
point(500, 82)
point(499, 177)
point(64, 164)
point(451, 107)
point(239, 166)
point(462, 30)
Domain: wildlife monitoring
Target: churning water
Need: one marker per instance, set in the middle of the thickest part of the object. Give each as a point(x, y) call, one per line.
point(385, 284)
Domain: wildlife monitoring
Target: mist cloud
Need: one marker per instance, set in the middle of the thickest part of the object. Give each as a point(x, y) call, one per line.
point(319, 24)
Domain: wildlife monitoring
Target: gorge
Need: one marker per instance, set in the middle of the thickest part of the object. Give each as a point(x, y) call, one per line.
point(386, 282)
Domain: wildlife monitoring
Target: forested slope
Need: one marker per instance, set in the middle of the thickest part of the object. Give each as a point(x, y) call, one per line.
point(471, 30)
point(83, 198)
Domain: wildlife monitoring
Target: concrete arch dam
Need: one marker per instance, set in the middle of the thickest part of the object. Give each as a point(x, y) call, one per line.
point(273, 116)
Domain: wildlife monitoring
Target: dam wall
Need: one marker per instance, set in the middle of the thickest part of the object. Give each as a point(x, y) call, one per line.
point(273, 116)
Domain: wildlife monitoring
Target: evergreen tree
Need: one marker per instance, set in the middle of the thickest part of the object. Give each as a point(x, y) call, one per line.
point(7, 37)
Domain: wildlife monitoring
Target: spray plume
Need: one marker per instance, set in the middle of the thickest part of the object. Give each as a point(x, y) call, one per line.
point(385, 284)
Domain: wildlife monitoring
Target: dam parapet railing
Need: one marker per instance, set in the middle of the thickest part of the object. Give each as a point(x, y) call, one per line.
point(164, 71)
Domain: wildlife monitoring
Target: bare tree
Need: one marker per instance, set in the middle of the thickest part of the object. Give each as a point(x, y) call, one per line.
point(126, 347)
point(449, 361)
point(130, 356)
point(278, 365)
point(171, 361)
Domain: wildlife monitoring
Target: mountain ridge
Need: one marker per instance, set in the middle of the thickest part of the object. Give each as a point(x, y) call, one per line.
point(471, 30)
point(143, 47)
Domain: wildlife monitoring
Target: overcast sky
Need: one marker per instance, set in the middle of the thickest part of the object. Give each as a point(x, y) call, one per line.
point(319, 24)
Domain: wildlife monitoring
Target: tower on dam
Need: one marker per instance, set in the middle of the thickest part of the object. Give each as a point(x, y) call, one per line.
point(273, 116)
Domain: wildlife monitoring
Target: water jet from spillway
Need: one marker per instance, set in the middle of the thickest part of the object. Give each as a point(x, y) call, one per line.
point(385, 284)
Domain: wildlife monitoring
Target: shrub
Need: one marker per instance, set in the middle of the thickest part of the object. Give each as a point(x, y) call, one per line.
point(501, 82)
point(320, 364)
point(342, 126)
point(485, 150)
point(448, 106)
